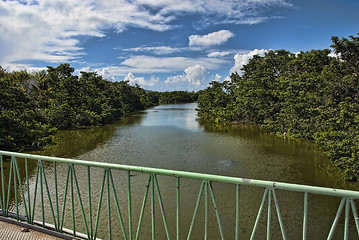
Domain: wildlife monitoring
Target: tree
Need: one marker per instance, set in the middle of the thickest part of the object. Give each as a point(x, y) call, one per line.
point(305, 95)
point(21, 126)
point(348, 50)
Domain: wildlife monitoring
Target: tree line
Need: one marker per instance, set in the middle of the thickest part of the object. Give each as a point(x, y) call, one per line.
point(35, 105)
point(175, 97)
point(308, 95)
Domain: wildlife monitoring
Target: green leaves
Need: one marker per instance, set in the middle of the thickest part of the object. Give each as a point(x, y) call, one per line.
point(33, 106)
point(306, 95)
point(348, 50)
point(177, 97)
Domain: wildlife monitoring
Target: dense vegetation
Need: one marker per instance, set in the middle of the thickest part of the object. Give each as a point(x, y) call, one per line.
point(34, 106)
point(177, 97)
point(306, 95)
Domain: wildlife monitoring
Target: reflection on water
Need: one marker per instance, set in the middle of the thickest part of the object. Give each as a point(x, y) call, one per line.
point(180, 116)
point(169, 136)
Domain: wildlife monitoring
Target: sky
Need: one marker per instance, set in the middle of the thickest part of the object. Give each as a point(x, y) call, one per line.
point(165, 45)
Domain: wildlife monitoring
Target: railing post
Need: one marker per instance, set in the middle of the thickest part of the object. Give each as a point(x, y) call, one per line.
point(355, 215)
point(28, 191)
point(108, 204)
point(178, 206)
point(305, 217)
point(129, 204)
point(346, 223)
point(206, 210)
point(3, 208)
point(237, 213)
point(269, 213)
point(56, 198)
point(89, 200)
point(42, 193)
point(153, 207)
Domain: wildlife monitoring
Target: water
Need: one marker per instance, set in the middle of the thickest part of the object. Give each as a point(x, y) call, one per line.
point(170, 136)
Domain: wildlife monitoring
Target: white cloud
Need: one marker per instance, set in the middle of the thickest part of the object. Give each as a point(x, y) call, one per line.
point(107, 73)
point(141, 80)
point(195, 75)
point(211, 39)
point(216, 77)
point(48, 30)
point(243, 59)
point(19, 67)
point(232, 9)
point(218, 54)
point(161, 50)
point(43, 31)
point(148, 64)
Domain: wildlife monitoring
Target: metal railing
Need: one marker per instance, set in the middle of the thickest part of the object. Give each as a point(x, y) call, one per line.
point(29, 194)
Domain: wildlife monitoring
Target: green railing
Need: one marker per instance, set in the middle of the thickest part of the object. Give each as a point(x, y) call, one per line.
point(63, 194)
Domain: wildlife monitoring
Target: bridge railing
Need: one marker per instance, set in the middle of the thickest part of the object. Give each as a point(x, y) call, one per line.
point(63, 194)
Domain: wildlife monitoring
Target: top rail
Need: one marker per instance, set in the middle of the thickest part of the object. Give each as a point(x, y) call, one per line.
point(210, 177)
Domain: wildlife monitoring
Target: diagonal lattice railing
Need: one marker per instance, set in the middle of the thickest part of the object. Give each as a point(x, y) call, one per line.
point(64, 194)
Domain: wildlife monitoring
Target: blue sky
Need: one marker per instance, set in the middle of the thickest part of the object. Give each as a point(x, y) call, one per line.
point(165, 45)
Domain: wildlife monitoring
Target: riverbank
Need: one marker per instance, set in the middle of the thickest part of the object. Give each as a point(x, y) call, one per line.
point(35, 105)
point(309, 95)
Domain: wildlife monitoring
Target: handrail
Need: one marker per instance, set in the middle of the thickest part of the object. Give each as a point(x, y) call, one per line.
point(30, 201)
point(194, 175)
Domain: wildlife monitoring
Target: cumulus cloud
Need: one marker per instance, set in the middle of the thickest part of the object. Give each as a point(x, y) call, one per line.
point(211, 39)
point(49, 30)
point(243, 59)
point(194, 75)
point(141, 80)
point(216, 77)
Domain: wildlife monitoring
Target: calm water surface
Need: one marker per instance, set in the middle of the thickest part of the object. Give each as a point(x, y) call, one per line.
point(170, 136)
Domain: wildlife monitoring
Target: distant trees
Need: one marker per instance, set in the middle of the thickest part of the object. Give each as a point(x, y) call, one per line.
point(306, 95)
point(177, 97)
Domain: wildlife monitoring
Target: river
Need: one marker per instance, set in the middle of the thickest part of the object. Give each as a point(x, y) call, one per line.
point(171, 137)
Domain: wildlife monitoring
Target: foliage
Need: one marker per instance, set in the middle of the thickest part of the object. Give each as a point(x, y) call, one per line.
point(177, 97)
point(34, 106)
point(21, 121)
point(306, 95)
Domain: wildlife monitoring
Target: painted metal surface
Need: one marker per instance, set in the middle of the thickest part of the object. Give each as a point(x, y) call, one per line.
point(90, 221)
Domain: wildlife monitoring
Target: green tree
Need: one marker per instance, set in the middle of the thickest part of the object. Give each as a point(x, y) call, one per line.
point(348, 50)
point(306, 95)
point(20, 125)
